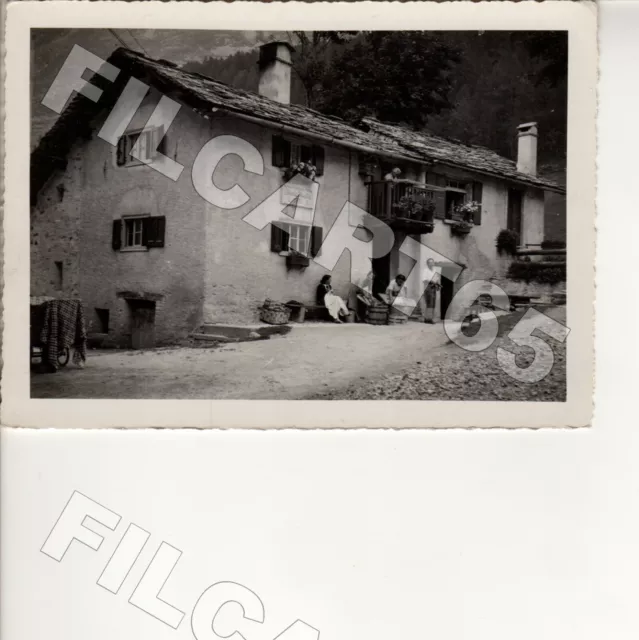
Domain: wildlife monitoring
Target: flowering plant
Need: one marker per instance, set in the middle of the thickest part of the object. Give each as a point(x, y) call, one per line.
point(416, 209)
point(467, 210)
point(303, 168)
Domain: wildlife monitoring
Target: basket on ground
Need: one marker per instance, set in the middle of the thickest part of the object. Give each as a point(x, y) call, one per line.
point(274, 312)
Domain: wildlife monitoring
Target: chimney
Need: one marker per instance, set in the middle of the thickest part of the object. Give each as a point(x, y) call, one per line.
point(275, 71)
point(527, 148)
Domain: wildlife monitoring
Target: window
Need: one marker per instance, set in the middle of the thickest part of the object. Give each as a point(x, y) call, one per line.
point(457, 184)
point(59, 267)
point(453, 199)
point(290, 236)
point(103, 320)
point(143, 232)
point(299, 237)
point(133, 232)
point(150, 144)
point(287, 153)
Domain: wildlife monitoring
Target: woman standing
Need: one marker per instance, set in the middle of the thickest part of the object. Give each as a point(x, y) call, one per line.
point(325, 297)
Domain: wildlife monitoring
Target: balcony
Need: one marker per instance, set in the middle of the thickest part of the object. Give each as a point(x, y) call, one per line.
point(399, 205)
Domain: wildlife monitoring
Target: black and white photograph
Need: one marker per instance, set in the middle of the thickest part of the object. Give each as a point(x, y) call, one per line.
point(342, 215)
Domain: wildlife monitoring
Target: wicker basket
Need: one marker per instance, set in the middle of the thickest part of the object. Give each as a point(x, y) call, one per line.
point(274, 313)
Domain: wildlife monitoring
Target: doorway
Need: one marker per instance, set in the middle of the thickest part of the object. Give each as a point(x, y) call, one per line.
point(381, 273)
point(447, 291)
point(514, 211)
point(142, 324)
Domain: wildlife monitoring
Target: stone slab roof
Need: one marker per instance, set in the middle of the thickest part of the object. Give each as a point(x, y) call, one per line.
point(456, 153)
point(206, 96)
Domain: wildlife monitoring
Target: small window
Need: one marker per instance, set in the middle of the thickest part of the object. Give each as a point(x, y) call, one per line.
point(59, 268)
point(299, 237)
point(457, 184)
point(149, 146)
point(138, 232)
point(103, 320)
point(453, 199)
point(286, 153)
point(133, 236)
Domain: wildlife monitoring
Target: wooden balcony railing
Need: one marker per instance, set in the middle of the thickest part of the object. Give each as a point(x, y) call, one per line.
point(384, 203)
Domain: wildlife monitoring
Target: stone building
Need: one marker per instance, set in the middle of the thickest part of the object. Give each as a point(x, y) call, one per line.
point(152, 259)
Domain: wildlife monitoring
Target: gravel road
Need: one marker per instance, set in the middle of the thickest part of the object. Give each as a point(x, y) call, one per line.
point(454, 374)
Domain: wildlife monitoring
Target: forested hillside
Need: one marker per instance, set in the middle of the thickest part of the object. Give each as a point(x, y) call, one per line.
point(473, 86)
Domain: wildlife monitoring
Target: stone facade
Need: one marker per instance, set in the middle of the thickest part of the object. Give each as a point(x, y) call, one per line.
point(214, 267)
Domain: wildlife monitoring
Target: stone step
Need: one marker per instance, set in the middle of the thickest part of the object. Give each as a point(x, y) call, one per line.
point(241, 332)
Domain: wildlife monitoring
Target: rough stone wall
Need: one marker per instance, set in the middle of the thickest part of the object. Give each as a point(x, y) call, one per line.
point(241, 269)
point(214, 267)
point(77, 228)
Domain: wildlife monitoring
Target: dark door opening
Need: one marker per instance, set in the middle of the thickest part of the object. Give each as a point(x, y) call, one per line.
point(142, 324)
point(514, 210)
point(381, 274)
point(446, 293)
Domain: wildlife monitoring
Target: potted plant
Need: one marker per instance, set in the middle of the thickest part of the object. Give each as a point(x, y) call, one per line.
point(507, 242)
point(415, 209)
point(305, 169)
point(297, 259)
point(465, 214)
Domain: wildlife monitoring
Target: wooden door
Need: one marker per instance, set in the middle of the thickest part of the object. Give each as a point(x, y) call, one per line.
point(142, 324)
point(514, 211)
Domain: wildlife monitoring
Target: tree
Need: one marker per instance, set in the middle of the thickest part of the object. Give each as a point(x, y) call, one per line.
point(313, 53)
point(505, 79)
point(400, 76)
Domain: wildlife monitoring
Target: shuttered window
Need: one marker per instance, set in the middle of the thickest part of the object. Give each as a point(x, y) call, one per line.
point(150, 143)
point(143, 232)
point(287, 236)
point(286, 153)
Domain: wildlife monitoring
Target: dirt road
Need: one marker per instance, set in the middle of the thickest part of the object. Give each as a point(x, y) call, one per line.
point(309, 360)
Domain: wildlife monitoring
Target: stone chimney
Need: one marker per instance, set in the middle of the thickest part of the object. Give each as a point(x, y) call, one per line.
point(527, 148)
point(275, 71)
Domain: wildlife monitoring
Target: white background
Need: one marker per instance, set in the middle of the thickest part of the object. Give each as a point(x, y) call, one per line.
point(370, 536)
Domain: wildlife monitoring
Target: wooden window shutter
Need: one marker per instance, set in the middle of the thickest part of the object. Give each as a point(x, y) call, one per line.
point(440, 204)
point(281, 155)
point(279, 238)
point(116, 237)
point(318, 159)
point(155, 228)
point(441, 181)
point(121, 152)
point(159, 141)
point(295, 153)
point(145, 232)
point(316, 240)
point(478, 189)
